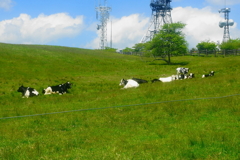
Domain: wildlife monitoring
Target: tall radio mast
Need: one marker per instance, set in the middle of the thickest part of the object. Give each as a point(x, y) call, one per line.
point(225, 24)
point(103, 16)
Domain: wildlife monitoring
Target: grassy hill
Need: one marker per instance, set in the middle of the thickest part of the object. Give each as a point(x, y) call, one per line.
point(188, 129)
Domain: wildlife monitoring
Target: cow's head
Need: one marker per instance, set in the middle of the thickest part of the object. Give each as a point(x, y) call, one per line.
point(123, 82)
point(212, 72)
point(191, 75)
point(22, 89)
point(68, 85)
point(186, 70)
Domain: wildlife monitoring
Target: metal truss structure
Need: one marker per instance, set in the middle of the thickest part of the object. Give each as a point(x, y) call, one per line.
point(161, 14)
point(225, 24)
point(103, 16)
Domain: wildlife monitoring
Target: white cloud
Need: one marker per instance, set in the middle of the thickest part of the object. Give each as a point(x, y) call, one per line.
point(126, 32)
point(40, 30)
point(6, 4)
point(202, 24)
point(129, 30)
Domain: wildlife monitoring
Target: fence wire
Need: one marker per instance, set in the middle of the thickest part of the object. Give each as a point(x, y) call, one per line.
point(131, 105)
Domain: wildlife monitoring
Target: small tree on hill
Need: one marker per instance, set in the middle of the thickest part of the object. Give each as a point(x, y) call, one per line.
point(169, 41)
point(139, 47)
point(206, 45)
point(128, 50)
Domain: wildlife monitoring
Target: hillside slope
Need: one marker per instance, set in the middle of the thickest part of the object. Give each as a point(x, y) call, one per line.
point(130, 125)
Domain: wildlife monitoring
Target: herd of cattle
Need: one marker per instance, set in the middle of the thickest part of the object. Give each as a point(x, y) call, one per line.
point(182, 73)
point(30, 92)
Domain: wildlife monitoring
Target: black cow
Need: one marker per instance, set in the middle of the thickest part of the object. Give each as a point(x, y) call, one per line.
point(139, 81)
point(27, 91)
point(61, 89)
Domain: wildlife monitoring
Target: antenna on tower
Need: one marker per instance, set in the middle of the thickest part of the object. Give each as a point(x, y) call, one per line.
point(161, 14)
point(225, 23)
point(103, 16)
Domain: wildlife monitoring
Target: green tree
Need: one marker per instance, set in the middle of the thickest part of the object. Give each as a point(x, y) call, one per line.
point(169, 41)
point(128, 50)
point(139, 48)
point(231, 44)
point(193, 50)
point(206, 45)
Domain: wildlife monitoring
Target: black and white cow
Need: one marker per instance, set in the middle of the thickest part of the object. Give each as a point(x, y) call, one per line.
point(60, 89)
point(208, 75)
point(182, 71)
point(191, 75)
point(181, 76)
point(165, 79)
point(128, 83)
point(139, 81)
point(27, 91)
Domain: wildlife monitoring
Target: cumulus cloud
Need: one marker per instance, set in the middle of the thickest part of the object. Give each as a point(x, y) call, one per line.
point(6, 4)
point(126, 31)
point(39, 30)
point(201, 24)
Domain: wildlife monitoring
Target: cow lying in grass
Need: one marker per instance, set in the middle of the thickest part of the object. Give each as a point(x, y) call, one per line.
point(165, 79)
point(186, 76)
point(181, 70)
point(27, 91)
point(128, 83)
point(60, 89)
point(191, 75)
point(139, 81)
point(174, 77)
point(208, 75)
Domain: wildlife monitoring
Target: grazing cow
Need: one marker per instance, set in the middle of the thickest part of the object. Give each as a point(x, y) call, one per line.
point(208, 75)
point(181, 70)
point(139, 81)
point(60, 89)
point(165, 79)
point(128, 83)
point(27, 91)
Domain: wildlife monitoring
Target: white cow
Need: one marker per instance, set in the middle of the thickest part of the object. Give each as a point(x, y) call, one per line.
point(166, 79)
point(128, 83)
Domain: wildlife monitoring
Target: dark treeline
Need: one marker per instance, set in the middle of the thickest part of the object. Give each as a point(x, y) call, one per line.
point(217, 52)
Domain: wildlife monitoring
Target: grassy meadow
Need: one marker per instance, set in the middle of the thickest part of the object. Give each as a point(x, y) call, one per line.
point(189, 129)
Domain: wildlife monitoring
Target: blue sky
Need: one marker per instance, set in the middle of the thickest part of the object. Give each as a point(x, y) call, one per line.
point(73, 23)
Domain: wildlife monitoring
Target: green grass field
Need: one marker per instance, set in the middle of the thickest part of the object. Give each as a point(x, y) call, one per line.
point(188, 129)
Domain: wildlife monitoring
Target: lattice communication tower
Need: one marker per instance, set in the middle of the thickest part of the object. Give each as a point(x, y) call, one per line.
point(103, 16)
point(161, 14)
point(225, 23)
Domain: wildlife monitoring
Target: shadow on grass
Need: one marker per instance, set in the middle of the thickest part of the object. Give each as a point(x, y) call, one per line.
point(171, 64)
